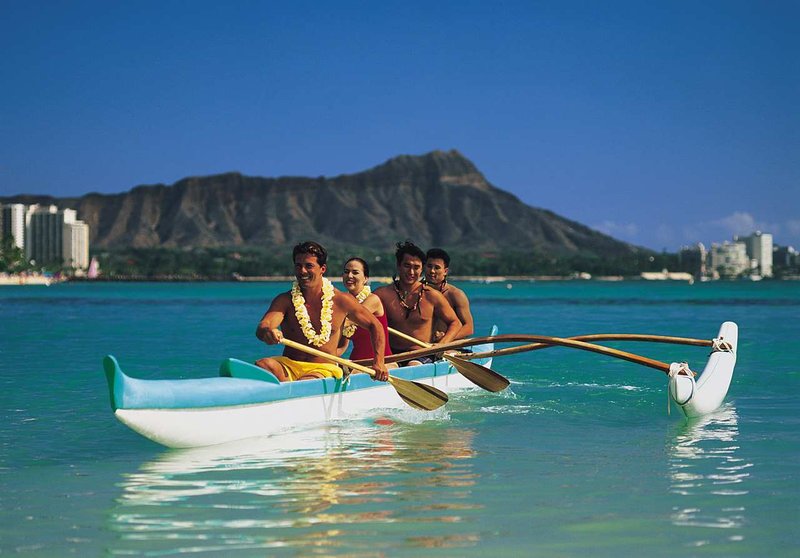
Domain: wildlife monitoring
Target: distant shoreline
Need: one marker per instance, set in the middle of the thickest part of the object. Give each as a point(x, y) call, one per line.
point(374, 279)
point(7, 279)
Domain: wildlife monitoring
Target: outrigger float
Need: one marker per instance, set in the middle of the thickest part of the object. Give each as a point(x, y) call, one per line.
point(246, 402)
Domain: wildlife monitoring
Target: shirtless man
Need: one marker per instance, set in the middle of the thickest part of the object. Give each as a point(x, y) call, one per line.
point(322, 310)
point(437, 267)
point(412, 307)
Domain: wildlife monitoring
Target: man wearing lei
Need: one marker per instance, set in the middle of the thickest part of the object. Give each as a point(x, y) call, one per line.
point(437, 267)
point(313, 313)
point(412, 307)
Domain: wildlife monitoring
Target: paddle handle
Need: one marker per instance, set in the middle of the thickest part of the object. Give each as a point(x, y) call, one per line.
point(402, 335)
point(328, 356)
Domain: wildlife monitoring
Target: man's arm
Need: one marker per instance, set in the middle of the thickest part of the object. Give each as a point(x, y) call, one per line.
point(461, 308)
point(267, 329)
point(444, 312)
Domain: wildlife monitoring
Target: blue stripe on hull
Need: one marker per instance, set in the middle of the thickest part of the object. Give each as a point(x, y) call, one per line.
point(133, 393)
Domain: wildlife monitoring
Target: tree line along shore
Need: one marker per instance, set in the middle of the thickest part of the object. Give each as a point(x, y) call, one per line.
point(221, 264)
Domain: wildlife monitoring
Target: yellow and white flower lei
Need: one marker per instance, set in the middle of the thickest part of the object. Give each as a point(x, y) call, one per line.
point(350, 328)
point(326, 314)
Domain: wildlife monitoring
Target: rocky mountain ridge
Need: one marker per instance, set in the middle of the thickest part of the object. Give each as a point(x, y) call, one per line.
point(436, 199)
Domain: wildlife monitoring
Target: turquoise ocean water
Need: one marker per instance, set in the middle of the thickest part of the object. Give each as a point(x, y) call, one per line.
point(579, 457)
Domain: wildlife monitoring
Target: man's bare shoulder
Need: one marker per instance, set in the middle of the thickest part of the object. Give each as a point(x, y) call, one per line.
point(450, 286)
point(343, 299)
point(384, 291)
point(454, 294)
point(281, 304)
point(282, 299)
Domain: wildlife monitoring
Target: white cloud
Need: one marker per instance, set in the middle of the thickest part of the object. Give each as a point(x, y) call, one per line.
point(675, 234)
point(739, 223)
point(744, 224)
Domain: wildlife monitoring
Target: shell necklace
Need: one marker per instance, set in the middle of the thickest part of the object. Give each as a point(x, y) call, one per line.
point(441, 287)
point(350, 328)
point(401, 295)
point(325, 315)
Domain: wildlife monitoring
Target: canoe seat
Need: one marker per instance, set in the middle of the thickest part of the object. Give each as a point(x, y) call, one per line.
point(235, 368)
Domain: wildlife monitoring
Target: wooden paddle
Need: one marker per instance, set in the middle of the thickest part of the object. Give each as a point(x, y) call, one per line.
point(481, 376)
point(545, 340)
point(417, 395)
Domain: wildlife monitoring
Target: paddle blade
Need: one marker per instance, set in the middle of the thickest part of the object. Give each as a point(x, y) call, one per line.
point(481, 376)
point(418, 395)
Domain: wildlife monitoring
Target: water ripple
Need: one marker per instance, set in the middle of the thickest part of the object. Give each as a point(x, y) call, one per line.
point(703, 457)
point(277, 493)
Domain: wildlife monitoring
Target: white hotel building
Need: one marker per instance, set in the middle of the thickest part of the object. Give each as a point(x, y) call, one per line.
point(75, 245)
point(750, 256)
point(729, 259)
point(47, 234)
point(12, 223)
point(759, 248)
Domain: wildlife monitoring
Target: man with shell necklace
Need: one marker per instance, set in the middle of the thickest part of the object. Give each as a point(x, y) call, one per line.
point(412, 307)
point(313, 313)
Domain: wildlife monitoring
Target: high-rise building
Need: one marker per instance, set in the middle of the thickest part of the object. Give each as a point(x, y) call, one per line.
point(12, 223)
point(729, 259)
point(46, 230)
point(75, 249)
point(785, 256)
point(759, 249)
point(48, 235)
point(693, 259)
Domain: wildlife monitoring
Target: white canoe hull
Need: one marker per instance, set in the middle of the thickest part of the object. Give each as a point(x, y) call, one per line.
point(196, 427)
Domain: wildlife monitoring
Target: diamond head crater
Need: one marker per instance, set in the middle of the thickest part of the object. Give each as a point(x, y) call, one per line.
point(215, 227)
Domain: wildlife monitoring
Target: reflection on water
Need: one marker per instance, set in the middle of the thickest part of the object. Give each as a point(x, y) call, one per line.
point(356, 488)
point(706, 471)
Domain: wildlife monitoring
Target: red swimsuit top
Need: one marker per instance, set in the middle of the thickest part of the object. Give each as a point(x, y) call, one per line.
point(362, 346)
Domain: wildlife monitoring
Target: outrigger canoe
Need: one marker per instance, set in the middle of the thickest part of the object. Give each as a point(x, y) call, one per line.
point(246, 402)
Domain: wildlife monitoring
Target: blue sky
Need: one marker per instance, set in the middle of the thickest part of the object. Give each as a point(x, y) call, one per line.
point(660, 123)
